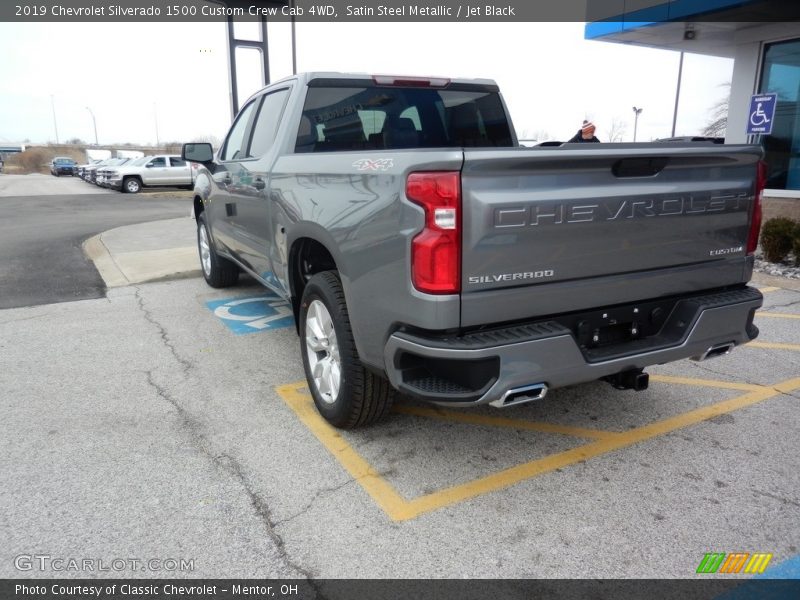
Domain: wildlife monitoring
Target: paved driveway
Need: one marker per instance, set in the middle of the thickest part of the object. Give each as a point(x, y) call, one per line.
point(170, 420)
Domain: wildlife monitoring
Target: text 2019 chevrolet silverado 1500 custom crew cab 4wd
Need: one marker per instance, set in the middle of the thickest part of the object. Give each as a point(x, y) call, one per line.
point(423, 251)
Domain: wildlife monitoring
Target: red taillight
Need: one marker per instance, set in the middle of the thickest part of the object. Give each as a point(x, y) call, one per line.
point(755, 220)
point(436, 250)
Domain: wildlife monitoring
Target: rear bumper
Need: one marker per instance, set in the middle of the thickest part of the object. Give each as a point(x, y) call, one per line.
point(482, 367)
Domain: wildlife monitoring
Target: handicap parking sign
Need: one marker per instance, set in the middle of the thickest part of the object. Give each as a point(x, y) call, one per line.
point(253, 313)
point(761, 113)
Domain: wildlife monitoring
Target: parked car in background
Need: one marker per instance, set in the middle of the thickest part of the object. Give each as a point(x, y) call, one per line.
point(90, 171)
point(81, 170)
point(100, 174)
point(107, 172)
point(93, 157)
point(63, 165)
point(160, 170)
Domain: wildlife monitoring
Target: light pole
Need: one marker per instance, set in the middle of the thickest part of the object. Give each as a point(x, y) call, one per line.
point(636, 113)
point(294, 44)
point(677, 95)
point(55, 123)
point(155, 119)
point(94, 121)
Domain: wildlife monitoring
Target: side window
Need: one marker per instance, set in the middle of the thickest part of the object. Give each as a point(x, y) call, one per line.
point(235, 141)
point(174, 161)
point(158, 162)
point(267, 122)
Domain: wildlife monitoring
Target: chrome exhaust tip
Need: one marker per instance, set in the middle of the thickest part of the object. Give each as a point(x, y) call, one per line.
point(715, 351)
point(521, 395)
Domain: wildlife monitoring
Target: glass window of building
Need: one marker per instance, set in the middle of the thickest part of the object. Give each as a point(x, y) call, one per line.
point(781, 76)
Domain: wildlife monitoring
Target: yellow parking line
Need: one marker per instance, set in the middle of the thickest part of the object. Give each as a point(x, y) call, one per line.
point(368, 478)
point(514, 475)
point(398, 508)
point(473, 419)
point(777, 315)
point(787, 387)
point(725, 385)
point(767, 290)
point(772, 345)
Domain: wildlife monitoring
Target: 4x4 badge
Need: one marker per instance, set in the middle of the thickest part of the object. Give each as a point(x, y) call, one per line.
point(368, 164)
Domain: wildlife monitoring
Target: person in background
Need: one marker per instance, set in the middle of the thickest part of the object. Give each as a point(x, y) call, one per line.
point(585, 134)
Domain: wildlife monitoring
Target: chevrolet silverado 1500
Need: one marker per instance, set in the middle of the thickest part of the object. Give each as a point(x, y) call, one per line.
point(423, 251)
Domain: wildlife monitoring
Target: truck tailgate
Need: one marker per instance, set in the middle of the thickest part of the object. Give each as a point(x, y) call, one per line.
point(553, 230)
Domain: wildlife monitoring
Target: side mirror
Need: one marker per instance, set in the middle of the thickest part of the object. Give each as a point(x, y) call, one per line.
point(200, 152)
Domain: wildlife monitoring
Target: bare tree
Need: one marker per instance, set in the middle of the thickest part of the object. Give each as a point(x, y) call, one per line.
point(616, 131)
point(542, 135)
point(211, 139)
point(718, 124)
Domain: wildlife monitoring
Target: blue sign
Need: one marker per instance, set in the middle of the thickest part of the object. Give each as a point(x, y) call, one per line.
point(252, 314)
point(761, 113)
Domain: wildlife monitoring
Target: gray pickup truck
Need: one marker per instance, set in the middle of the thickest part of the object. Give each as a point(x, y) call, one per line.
point(424, 252)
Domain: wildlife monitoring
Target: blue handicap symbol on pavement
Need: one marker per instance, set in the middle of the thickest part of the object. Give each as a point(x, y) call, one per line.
point(252, 314)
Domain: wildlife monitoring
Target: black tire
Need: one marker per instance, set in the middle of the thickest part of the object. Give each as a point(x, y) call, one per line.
point(131, 185)
point(218, 272)
point(362, 397)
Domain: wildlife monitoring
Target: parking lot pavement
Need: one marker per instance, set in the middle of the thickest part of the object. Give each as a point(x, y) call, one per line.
point(171, 419)
point(37, 184)
point(41, 241)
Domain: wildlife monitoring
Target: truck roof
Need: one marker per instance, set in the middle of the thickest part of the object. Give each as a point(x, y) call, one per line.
point(311, 75)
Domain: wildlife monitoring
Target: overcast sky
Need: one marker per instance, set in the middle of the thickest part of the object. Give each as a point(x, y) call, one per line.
point(135, 77)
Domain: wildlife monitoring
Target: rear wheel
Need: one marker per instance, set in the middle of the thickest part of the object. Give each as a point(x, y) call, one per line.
point(345, 393)
point(218, 272)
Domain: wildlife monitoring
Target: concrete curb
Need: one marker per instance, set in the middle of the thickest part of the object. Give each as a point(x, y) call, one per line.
point(123, 268)
point(96, 251)
point(781, 282)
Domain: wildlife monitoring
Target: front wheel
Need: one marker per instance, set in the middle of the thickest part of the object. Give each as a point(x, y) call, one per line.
point(345, 393)
point(131, 185)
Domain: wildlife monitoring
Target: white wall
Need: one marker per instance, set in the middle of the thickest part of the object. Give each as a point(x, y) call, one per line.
point(743, 85)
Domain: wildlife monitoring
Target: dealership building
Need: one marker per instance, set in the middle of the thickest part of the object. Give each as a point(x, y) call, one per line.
point(763, 39)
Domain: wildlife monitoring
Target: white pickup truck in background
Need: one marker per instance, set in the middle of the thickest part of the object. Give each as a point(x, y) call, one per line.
point(149, 171)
